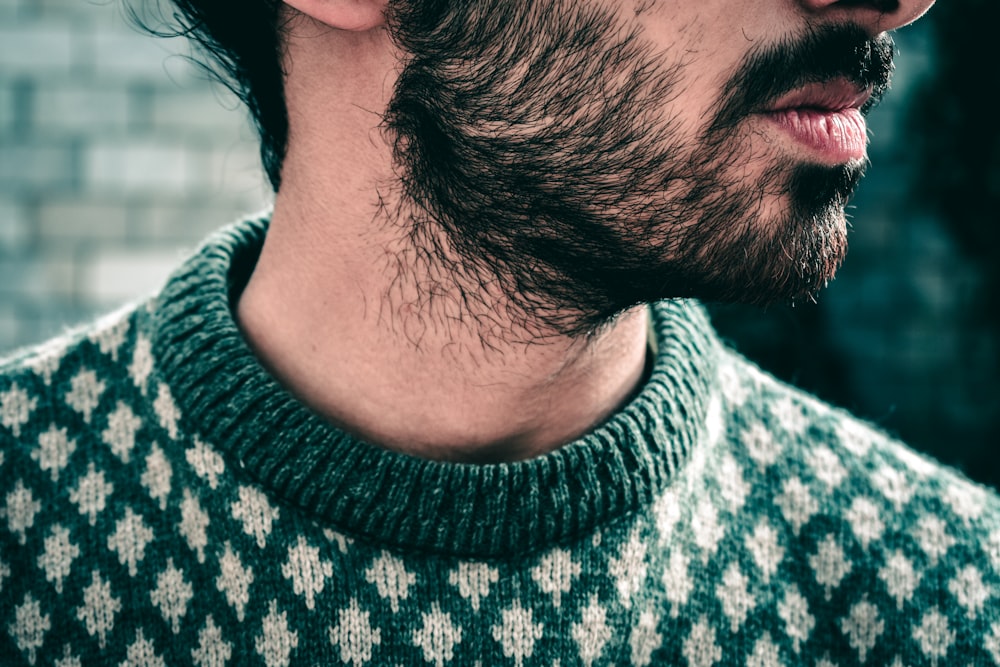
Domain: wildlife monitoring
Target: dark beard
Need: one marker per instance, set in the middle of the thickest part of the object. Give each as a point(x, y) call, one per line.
point(539, 140)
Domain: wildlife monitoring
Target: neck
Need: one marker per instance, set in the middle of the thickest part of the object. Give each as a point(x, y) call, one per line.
point(374, 327)
point(319, 312)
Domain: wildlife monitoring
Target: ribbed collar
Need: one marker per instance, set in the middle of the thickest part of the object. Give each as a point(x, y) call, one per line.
point(228, 399)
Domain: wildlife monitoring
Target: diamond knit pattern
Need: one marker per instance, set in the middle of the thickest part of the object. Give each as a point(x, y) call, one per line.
point(741, 523)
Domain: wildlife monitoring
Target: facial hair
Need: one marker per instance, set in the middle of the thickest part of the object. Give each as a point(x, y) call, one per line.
point(538, 155)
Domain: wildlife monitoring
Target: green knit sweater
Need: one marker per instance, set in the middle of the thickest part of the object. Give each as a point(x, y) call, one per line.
point(163, 501)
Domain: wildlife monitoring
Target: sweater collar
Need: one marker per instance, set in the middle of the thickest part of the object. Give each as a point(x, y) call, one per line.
point(227, 398)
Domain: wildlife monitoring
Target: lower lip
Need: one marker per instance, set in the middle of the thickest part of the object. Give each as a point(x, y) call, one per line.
point(834, 137)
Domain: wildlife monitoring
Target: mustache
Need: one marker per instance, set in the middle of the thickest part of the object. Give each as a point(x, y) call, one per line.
point(824, 54)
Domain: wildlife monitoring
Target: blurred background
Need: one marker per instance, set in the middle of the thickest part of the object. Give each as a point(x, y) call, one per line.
point(117, 156)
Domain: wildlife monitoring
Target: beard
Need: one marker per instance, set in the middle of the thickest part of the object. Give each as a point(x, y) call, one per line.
point(538, 156)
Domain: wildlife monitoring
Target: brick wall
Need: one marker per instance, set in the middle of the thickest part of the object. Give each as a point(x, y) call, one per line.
point(116, 156)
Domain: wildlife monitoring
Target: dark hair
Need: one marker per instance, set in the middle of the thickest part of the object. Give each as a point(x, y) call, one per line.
point(242, 40)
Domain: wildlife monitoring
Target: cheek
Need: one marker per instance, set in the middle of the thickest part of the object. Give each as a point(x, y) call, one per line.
point(704, 58)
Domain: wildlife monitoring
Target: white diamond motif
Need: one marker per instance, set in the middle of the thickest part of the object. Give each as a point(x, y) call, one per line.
point(68, 659)
point(256, 513)
point(355, 636)
point(517, 633)
point(629, 568)
point(592, 633)
point(213, 650)
point(29, 627)
point(53, 452)
point(796, 503)
point(205, 462)
point(764, 548)
point(158, 476)
point(120, 433)
point(733, 486)
point(555, 572)
point(129, 540)
point(826, 466)
point(992, 643)
point(391, 579)
point(761, 445)
point(194, 524)
point(473, 581)
point(862, 627)
point(732, 385)
point(307, 571)
point(765, 653)
point(667, 510)
point(437, 637)
point(700, 648)
point(992, 549)
point(707, 530)
point(91, 494)
point(734, 597)
point(932, 535)
point(110, 331)
point(172, 595)
point(142, 363)
point(48, 357)
point(934, 636)
point(794, 611)
point(15, 408)
point(166, 411)
point(790, 415)
point(677, 582)
point(900, 578)
point(20, 511)
point(58, 557)
point(969, 590)
point(644, 639)
point(865, 520)
point(893, 485)
point(855, 437)
point(85, 393)
point(234, 581)
point(142, 653)
point(98, 609)
point(965, 501)
point(829, 565)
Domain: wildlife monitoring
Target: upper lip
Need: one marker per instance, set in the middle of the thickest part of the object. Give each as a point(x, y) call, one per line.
point(834, 95)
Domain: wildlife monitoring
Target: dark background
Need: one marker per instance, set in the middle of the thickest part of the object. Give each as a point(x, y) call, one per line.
point(907, 335)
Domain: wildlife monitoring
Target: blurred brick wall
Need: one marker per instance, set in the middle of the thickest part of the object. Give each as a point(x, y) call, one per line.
point(116, 157)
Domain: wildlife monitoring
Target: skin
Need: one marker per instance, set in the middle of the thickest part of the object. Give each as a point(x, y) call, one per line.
point(404, 339)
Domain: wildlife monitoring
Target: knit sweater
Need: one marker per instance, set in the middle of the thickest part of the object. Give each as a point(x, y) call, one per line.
point(164, 501)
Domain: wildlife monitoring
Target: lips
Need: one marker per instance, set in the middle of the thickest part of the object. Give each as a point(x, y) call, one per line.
point(824, 120)
point(832, 96)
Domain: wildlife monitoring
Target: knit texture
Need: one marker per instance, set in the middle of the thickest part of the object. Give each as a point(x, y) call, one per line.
point(163, 501)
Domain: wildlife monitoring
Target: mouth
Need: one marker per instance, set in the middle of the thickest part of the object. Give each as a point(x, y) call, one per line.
point(824, 120)
point(829, 96)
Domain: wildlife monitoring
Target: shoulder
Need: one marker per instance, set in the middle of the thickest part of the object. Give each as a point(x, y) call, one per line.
point(882, 535)
point(57, 386)
point(770, 424)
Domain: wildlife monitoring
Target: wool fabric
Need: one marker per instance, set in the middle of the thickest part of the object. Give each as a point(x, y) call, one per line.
point(164, 501)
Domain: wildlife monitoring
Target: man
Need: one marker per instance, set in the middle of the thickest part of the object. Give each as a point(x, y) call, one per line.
point(421, 413)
